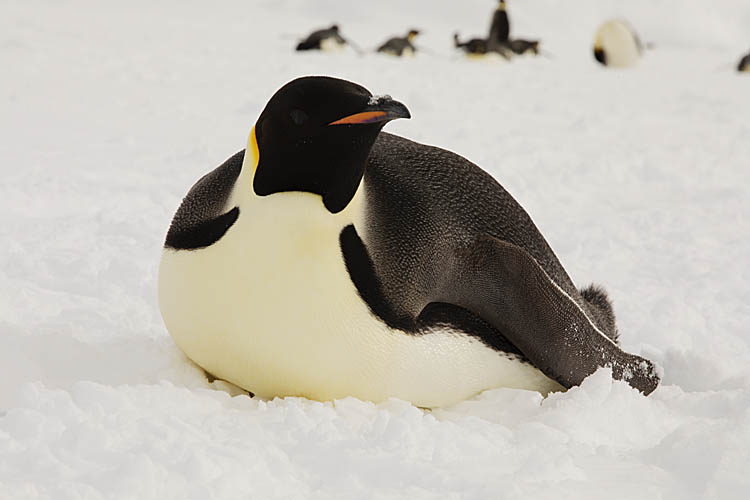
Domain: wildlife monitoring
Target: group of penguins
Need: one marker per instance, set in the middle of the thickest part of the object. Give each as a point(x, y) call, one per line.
point(498, 40)
point(615, 44)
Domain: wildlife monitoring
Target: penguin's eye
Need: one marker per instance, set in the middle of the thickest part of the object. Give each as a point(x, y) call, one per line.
point(298, 116)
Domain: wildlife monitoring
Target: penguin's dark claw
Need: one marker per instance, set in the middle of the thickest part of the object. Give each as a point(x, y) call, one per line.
point(639, 372)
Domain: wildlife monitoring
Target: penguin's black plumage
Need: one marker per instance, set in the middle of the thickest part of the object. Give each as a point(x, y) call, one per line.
point(403, 179)
point(488, 251)
point(497, 41)
point(316, 39)
point(520, 46)
point(473, 46)
point(499, 28)
point(398, 46)
point(342, 260)
point(744, 64)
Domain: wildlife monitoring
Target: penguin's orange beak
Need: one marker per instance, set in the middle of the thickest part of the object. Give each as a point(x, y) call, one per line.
point(363, 117)
point(379, 109)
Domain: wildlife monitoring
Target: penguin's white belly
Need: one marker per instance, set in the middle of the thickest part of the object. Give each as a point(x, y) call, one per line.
point(271, 307)
point(489, 56)
point(620, 45)
point(330, 44)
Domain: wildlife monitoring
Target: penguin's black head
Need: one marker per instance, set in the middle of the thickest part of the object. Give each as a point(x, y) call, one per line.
point(315, 135)
point(744, 64)
point(412, 34)
point(600, 56)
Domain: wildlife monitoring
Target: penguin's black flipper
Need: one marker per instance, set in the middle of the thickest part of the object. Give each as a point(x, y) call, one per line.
point(503, 284)
point(201, 220)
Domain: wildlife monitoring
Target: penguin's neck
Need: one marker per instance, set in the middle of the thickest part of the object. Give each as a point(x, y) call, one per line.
point(309, 205)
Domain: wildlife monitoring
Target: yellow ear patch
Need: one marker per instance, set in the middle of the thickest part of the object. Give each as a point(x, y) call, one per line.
point(252, 146)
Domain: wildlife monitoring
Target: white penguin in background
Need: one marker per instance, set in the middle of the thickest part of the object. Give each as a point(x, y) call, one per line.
point(617, 45)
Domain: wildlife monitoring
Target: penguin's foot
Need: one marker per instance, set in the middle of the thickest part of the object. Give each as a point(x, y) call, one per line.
point(639, 372)
point(210, 377)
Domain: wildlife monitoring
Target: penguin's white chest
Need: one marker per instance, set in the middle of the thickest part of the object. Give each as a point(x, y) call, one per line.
point(271, 307)
point(330, 44)
point(619, 44)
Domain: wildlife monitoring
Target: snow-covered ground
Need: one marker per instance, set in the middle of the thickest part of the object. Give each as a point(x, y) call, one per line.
point(639, 179)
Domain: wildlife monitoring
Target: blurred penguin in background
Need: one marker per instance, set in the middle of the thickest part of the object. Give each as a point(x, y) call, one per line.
point(497, 40)
point(617, 45)
point(744, 65)
point(521, 47)
point(499, 29)
point(472, 47)
point(400, 46)
point(499, 37)
point(325, 39)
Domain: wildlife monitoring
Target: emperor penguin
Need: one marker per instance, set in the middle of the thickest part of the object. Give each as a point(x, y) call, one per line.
point(520, 46)
point(400, 46)
point(496, 43)
point(325, 39)
point(472, 47)
point(617, 45)
point(329, 259)
point(479, 48)
point(499, 28)
point(744, 65)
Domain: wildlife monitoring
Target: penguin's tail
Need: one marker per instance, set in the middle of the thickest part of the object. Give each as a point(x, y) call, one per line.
point(600, 309)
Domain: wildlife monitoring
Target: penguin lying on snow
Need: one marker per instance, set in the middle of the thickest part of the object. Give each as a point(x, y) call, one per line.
point(521, 47)
point(473, 46)
point(497, 41)
point(331, 260)
point(744, 64)
point(400, 46)
point(479, 47)
point(617, 45)
point(494, 43)
point(325, 39)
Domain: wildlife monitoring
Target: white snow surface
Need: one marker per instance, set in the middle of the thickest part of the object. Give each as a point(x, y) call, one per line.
point(639, 179)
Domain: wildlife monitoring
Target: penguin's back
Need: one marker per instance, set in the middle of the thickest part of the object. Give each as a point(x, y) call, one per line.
point(397, 46)
point(433, 201)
